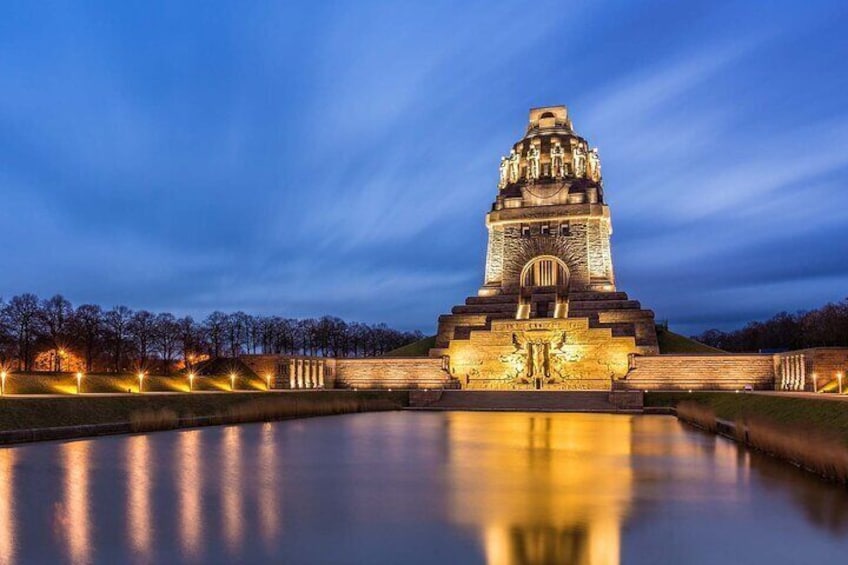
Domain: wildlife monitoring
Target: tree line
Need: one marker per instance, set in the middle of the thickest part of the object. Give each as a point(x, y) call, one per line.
point(51, 334)
point(824, 327)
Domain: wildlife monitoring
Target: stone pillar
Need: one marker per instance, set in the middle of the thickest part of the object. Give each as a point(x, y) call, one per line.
point(784, 373)
point(803, 366)
point(300, 373)
point(292, 374)
point(321, 374)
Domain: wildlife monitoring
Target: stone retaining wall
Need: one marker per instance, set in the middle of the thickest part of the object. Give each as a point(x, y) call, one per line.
point(393, 372)
point(699, 372)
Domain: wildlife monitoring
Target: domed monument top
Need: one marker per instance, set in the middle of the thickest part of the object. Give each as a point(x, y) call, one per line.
point(551, 153)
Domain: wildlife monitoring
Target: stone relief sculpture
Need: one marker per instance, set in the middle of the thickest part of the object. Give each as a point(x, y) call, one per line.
point(504, 170)
point(516, 361)
point(594, 165)
point(578, 159)
point(557, 161)
point(513, 166)
point(533, 163)
point(539, 357)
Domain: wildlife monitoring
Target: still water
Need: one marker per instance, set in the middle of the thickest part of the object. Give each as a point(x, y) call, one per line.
point(397, 487)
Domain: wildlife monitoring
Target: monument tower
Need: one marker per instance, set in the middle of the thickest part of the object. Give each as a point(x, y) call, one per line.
point(548, 314)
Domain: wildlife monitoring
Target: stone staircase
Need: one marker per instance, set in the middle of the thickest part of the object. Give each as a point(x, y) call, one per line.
point(530, 401)
point(613, 310)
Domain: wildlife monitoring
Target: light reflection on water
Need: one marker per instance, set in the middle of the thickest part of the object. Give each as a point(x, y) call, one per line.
point(189, 477)
point(140, 467)
point(497, 488)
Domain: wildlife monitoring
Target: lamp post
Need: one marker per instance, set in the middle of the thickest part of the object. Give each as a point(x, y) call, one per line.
point(191, 382)
point(3, 375)
point(839, 378)
point(815, 382)
point(79, 383)
point(232, 382)
point(140, 383)
point(268, 381)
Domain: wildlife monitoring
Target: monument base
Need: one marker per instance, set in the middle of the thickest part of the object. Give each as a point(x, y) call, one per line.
point(540, 354)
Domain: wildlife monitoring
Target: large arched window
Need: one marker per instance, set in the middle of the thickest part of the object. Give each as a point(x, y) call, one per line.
point(546, 270)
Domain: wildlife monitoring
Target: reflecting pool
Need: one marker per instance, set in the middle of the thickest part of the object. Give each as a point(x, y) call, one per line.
point(420, 487)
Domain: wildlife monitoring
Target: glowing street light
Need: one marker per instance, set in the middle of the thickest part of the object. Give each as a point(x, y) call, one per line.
point(79, 383)
point(232, 382)
point(268, 381)
point(190, 382)
point(3, 375)
point(140, 383)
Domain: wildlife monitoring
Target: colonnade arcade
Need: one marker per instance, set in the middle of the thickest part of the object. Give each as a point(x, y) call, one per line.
point(303, 372)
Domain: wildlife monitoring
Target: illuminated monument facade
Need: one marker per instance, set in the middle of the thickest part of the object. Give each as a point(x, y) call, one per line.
point(548, 315)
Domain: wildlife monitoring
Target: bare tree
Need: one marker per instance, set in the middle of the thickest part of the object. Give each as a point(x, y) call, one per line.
point(214, 326)
point(166, 338)
point(141, 329)
point(22, 318)
point(56, 314)
point(87, 328)
point(116, 322)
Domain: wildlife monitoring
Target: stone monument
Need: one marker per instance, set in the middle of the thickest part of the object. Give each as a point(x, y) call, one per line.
point(549, 315)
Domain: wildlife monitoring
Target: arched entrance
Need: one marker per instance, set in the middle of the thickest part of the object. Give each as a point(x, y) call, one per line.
point(543, 288)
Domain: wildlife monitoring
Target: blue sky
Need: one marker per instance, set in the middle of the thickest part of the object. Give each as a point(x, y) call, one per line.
point(338, 158)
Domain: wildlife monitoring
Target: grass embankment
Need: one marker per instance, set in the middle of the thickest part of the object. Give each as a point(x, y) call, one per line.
point(418, 348)
point(808, 432)
point(166, 411)
point(808, 414)
point(671, 343)
point(66, 383)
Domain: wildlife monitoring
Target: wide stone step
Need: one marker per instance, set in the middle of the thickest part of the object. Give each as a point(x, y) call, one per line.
point(548, 401)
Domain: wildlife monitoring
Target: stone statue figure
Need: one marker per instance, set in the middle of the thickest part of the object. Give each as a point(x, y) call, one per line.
point(557, 169)
point(594, 165)
point(533, 163)
point(537, 359)
point(513, 166)
point(578, 159)
point(504, 170)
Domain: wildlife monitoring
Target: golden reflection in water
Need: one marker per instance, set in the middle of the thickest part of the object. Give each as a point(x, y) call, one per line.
point(7, 505)
point(74, 514)
point(189, 486)
point(268, 491)
point(542, 488)
point(139, 465)
point(231, 487)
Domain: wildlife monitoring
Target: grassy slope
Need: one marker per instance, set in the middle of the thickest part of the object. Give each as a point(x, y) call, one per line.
point(66, 383)
point(671, 342)
point(820, 415)
point(418, 348)
point(24, 413)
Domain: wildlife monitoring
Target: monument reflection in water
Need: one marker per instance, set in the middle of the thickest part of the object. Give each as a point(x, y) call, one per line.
point(459, 487)
point(543, 489)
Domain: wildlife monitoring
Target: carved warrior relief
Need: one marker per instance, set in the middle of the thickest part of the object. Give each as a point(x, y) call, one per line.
point(557, 161)
point(504, 170)
point(594, 165)
point(533, 163)
point(542, 355)
point(513, 166)
point(578, 160)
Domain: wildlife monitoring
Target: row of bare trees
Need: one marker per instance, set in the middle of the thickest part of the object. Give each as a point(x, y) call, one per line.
point(51, 334)
point(825, 327)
